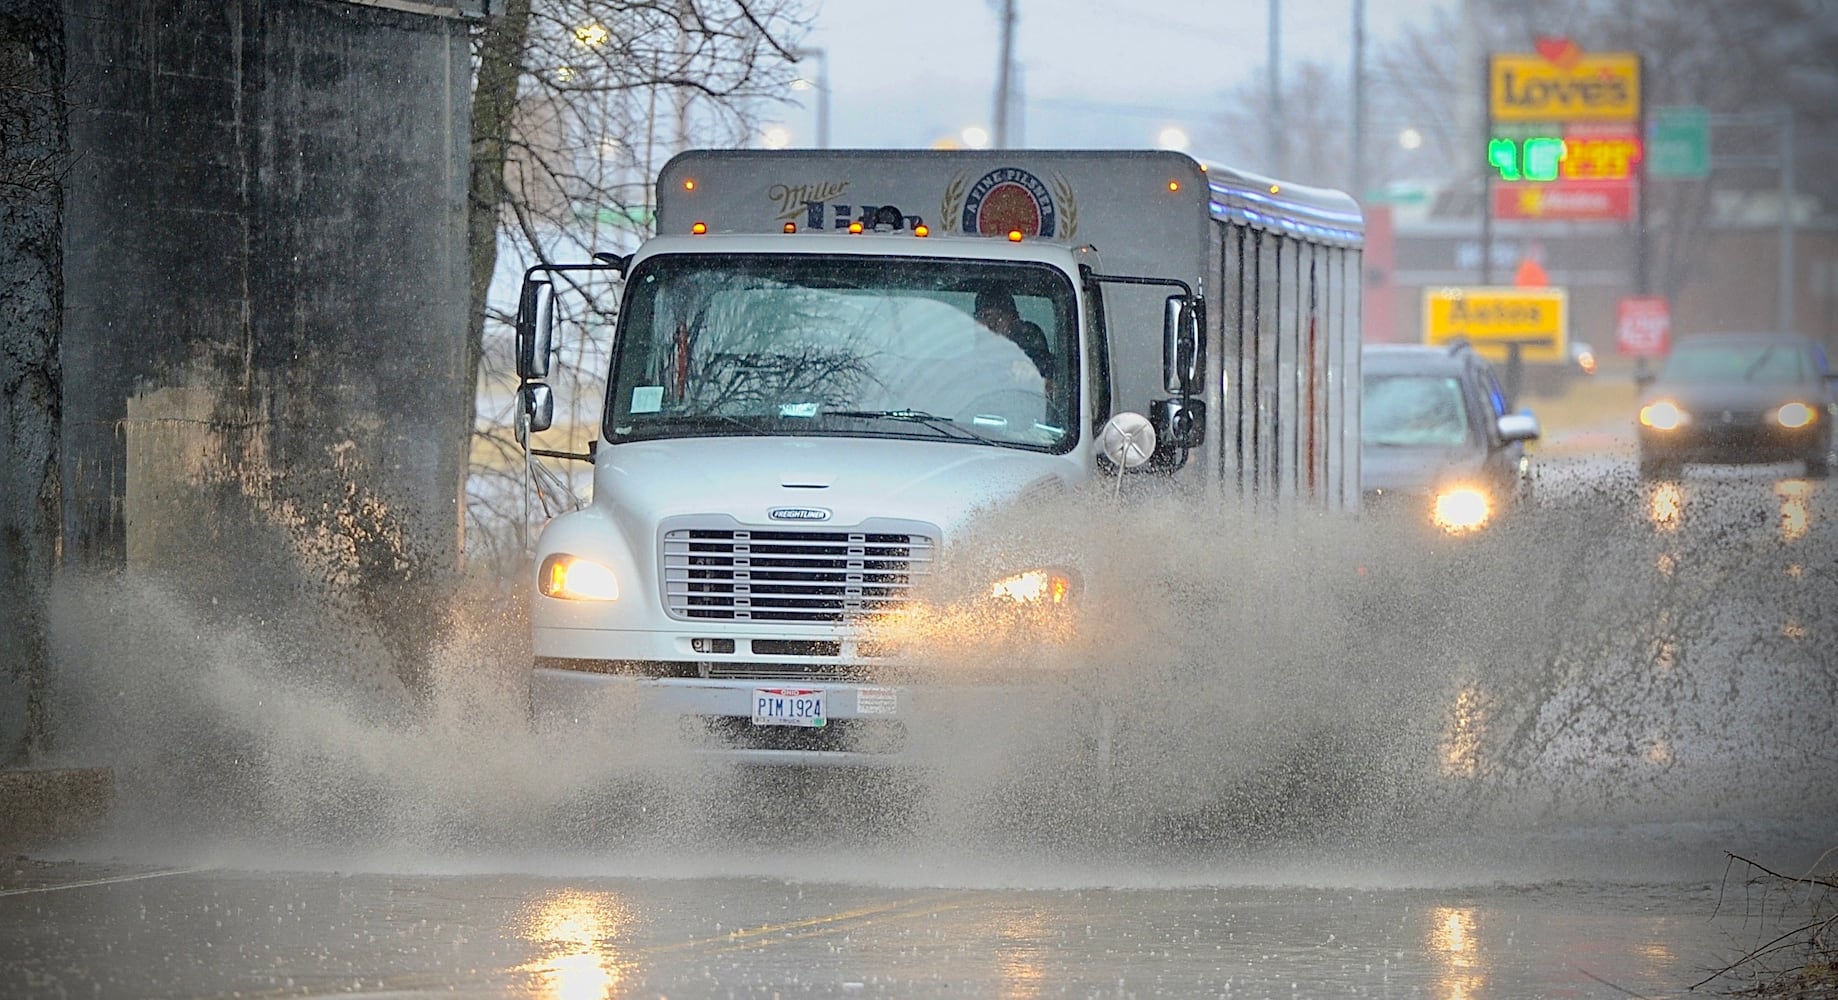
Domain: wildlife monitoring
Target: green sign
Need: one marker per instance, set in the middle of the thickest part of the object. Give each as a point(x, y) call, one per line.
point(1539, 162)
point(1680, 143)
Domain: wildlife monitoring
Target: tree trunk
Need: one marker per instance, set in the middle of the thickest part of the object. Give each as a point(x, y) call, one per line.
point(494, 104)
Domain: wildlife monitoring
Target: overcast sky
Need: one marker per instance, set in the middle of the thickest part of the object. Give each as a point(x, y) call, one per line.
point(1099, 73)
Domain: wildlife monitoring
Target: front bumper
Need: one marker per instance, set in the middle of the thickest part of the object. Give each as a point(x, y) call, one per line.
point(869, 722)
point(1735, 441)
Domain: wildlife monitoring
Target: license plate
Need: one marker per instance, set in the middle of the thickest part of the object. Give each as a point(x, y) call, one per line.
point(788, 707)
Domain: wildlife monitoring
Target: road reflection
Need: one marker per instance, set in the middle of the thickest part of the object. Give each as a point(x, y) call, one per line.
point(1453, 943)
point(1793, 493)
point(1665, 654)
point(1666, 506)
point(1018, 955)
point(574, 934)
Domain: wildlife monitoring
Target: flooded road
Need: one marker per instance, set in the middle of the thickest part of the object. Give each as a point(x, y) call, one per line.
point(1548, 741)
point(225, 933)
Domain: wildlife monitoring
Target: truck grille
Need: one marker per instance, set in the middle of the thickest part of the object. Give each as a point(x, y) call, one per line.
point(780, 575)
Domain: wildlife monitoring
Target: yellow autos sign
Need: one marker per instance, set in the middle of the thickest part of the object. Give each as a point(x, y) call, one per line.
point(1492, 318)
point(1601, 87)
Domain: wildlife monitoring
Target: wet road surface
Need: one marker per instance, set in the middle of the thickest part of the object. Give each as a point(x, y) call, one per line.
point(85, 930)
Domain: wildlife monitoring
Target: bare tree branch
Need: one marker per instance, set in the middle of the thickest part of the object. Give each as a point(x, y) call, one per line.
point(576, 105)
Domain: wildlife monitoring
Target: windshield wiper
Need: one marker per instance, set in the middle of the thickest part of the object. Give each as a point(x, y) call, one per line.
point(935, 422)
point(1766, 353)
point(655, 421)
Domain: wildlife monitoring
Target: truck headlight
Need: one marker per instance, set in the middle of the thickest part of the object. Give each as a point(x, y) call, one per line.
point(1795, 415)
point(1461, 508)
point(1037, 586)
point(572, 578)
point(1663, 415)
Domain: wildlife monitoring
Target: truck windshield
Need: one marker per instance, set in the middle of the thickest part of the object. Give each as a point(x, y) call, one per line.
point(932, 348)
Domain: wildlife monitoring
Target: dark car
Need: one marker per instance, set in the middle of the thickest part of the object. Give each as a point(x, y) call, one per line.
point(1738, 397)
point(1436, 438)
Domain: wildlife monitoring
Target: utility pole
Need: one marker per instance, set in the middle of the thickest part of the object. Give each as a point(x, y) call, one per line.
point(1007, 57)
point(1486, 175)
point(1643, 240)
point(1356, 177)
point(1782, 160)
point(1784, 317)
point(1278, 160)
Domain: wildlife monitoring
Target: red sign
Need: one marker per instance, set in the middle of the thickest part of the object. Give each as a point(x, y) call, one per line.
point(1643, 327)
point(1574, 201)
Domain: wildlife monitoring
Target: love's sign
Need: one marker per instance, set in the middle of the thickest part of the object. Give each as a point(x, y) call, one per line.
point(1574, 86)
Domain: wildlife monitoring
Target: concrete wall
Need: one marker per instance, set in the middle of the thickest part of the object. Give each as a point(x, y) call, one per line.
point(31, 148)
point(266, 293)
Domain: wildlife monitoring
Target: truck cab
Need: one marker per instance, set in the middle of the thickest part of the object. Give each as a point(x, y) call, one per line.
point(793, 428)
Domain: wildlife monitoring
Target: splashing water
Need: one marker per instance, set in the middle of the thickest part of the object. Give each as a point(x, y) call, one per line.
point(1257, 680)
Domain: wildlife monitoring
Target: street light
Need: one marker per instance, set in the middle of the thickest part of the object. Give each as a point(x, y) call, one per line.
point(592, 35)
point(1172, 137)
point(823, 90)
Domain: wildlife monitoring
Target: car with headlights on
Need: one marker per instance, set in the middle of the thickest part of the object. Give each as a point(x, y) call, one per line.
point(1436, 439)
point(1738, 398)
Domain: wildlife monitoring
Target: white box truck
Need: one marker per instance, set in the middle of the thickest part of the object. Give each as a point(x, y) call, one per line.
point(828, 363)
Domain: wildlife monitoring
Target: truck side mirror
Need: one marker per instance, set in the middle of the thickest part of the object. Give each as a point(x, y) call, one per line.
point(1181, 344)
point(535, 329)
point(538, 406)
point(1180, 423)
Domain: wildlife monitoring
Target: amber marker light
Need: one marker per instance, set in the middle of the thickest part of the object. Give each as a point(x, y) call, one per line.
point(791, 227)
point(690, 184)
point(699, 228)
point(921, 231)
point(856, 227)
point(1276, 189)
point(1014, 236)
point(1174, 185)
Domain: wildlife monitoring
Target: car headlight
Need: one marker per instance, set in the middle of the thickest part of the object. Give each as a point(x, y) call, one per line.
point(1461, 508)
point(1037, 586)
point(1663, 415)
point(1795, 415)
point(572, 578)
